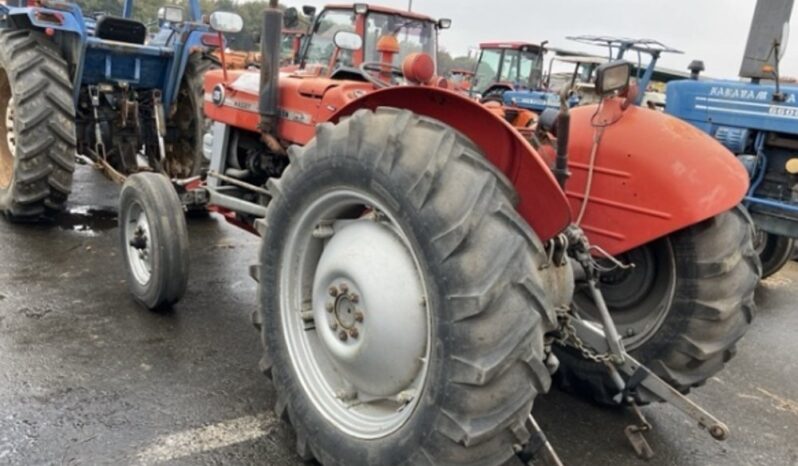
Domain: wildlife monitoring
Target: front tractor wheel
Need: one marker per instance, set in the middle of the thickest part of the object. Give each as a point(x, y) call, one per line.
point(154, 240)
point(680, 310)
point(402, 311)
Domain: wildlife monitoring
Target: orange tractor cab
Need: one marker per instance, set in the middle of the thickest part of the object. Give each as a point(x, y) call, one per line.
point(425, 270)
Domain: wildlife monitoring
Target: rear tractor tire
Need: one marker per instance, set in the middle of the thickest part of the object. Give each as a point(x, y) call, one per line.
point(774, 251)
point(187, 125)
point(154, 240)
point(402, 311)
point(37, 127)
point(680, 311)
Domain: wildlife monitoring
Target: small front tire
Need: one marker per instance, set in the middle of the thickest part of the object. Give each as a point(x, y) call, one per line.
point(154, 240)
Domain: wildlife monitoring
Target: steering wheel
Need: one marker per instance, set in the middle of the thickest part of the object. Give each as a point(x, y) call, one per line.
point(367, 68)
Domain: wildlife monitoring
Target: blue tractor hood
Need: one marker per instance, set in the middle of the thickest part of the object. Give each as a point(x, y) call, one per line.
point(711, 104)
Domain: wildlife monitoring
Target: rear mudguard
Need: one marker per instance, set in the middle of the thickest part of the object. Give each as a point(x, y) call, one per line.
point(541, 201)
point(654, 174)
point(68, 19)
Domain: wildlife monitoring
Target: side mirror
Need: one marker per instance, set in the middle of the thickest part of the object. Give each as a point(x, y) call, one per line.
point(785, 37)
point(346, 40)
point(170, 13)
point(612, 77)
point(309, 10)
point(290, 18)
point(444, 23)
point(230, 23)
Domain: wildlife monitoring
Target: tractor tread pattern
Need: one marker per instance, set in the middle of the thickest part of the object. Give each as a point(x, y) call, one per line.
point(496, 369)
point(45, 117)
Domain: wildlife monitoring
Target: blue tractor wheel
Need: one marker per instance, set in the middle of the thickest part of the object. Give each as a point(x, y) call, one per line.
point(37, 127)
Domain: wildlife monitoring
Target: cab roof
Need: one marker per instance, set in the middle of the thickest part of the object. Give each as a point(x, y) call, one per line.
point(509, 45)
point(382, 9)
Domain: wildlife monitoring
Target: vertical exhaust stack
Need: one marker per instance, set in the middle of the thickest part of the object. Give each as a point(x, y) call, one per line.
point(271, 31)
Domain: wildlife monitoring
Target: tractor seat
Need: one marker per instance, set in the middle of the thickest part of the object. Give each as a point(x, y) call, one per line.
point(120, 30)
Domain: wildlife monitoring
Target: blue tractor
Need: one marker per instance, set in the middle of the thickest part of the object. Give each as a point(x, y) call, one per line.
point(100, 86)
point(512, 72)
point(758, 121)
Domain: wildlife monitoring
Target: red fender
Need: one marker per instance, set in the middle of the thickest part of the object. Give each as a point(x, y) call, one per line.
point(542, 203)
point(654, 174)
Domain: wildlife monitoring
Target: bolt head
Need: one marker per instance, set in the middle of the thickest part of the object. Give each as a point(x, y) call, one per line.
point(333, 291)
point(353, 333)
point(354, 297)
point(344, 287)
point(329, 306)
point(334, 326)
point(342, 335)
point(359, 316)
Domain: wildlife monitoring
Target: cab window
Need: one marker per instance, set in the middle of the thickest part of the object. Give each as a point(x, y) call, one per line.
point(321, 47)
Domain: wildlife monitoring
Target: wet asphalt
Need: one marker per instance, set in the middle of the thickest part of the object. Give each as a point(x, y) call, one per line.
point(88, 377)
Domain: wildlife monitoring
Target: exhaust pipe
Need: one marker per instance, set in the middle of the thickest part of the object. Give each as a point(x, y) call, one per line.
point(268, 102)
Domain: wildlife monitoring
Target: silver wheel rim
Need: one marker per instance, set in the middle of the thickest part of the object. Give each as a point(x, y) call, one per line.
point(138, 242)
point(355, 315)
point(641, 301)
point(11, 136)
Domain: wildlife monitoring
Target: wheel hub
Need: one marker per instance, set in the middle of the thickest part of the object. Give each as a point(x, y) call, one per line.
point(137, 234)
point(368, 308)
point(355, 314)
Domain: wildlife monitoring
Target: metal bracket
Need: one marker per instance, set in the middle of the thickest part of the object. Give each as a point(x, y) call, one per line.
point(594, 337)
point(634, 433)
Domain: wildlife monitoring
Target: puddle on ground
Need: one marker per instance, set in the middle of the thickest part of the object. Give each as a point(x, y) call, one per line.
point(87, 220)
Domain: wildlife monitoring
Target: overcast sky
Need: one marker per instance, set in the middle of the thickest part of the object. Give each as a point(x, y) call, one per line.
point(714, 31)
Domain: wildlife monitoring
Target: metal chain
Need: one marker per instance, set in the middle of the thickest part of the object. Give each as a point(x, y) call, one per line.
point(568, 337)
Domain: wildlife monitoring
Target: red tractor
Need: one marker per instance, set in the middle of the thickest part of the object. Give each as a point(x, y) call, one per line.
point(425, 270)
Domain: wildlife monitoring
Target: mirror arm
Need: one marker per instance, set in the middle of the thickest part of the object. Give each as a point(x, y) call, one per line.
point(222, 57)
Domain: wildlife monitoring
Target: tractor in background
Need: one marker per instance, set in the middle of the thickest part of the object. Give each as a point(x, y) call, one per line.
point(99, 86)
point(758, 122)
point(424, 270)
point(511, 73)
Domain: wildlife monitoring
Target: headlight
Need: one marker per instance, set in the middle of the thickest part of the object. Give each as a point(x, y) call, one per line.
point(613, 77)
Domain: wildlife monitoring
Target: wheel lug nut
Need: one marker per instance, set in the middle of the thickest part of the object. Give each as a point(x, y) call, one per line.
point(359, 316)
point(334, 326)
point(329, 306)
point(344, 287)
point(333, 291)
point(353, 333)
point(354, 297)
point(342, 335)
